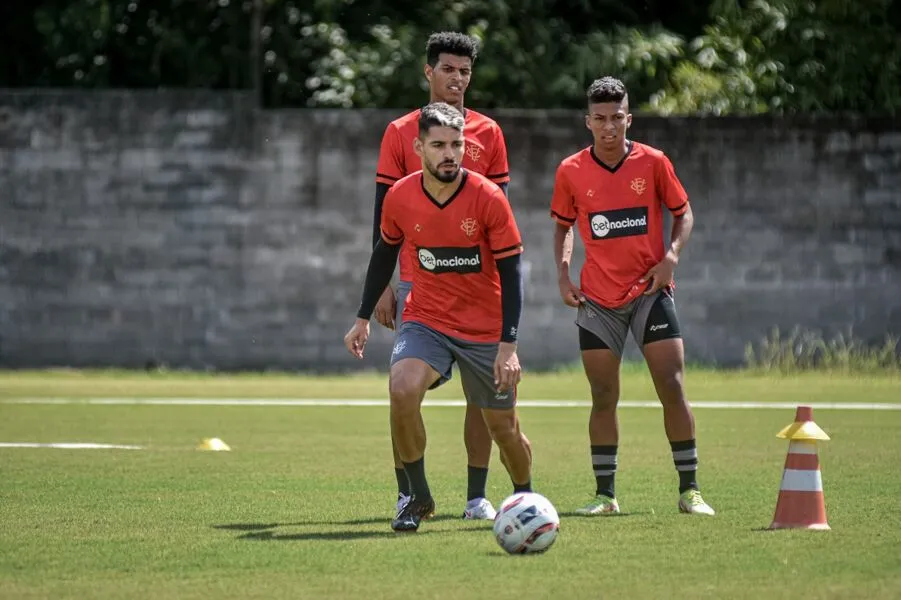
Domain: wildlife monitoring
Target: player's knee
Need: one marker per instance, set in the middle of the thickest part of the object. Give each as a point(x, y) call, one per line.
point(503, 431)
point(670, 386)
point(405, 392)
point(604, 395)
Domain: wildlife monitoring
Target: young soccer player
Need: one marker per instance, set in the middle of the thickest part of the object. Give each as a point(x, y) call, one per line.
point(615, 192)
point(449, 64)
point(464, 306)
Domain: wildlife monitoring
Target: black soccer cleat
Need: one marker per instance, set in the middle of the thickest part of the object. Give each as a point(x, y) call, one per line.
point(414, 511)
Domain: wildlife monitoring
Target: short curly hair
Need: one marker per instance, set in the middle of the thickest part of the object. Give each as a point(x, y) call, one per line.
point(606, 89)
point(451, 42)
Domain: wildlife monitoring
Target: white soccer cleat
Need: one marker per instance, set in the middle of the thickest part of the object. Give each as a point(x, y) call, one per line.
point(479, 509)
point(692, 503)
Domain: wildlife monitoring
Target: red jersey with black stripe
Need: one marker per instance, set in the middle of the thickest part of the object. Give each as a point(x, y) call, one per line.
point(456, 288)
point(485, 152)
point(619, 213)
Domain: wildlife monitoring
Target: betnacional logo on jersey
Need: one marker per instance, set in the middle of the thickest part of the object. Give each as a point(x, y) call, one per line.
point(469, 226)
point(450, 260)
point(619, 223)
point(639, 185)
point(473, 152)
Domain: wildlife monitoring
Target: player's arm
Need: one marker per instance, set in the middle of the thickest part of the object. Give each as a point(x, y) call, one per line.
point(563, 213)
point(381, 190)
point(682, 226)
point(505, 242)
point(675, 198)
point(509, 270)
point(378, 275)
point(391, 168)
point(499, 169)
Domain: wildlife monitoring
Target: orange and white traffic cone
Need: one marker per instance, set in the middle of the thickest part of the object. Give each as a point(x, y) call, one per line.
point(801, 504)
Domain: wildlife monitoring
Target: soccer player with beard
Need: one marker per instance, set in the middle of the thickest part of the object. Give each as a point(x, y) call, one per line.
point(448, 70)
point(615, 191)
point(464, 307)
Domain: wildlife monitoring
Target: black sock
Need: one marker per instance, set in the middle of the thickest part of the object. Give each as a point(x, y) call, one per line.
point(416, 474)
point(476, 478)
point(403, 482)
point(685, 457)
point(603, 460)
point(524, 487)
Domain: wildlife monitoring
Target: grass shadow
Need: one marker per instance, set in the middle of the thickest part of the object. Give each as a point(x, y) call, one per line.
point(337, 536)
point(361, 521)
point(575, 515)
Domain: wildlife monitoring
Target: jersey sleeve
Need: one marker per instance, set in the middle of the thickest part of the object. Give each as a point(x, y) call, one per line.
point(499, 169)
point(563, 203)
point(504, 238)
point(391, 157)
point(670, 189)
point(391, 231)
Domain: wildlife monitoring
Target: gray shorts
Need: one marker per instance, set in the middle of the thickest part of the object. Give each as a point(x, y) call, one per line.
point(474, 359)
point(400, 297)
point(651, 319)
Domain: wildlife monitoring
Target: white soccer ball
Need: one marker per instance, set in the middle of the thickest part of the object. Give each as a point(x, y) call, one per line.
point(526, 523)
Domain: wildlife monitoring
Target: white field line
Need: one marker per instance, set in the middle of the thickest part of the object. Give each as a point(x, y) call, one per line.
point(428, 403)
point(69, 446)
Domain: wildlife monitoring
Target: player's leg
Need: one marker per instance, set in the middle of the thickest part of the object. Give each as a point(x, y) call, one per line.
point(498, 409)
point(403, 484)
point(420, 360)
point(477, 440)
point(656, 328)
point(602, 335)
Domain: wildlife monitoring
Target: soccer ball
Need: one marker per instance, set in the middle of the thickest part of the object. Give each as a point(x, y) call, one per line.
point(526, 523)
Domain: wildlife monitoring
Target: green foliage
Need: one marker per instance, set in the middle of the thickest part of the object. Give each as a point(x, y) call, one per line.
point(776, 56)
point(141, 43)
point(789, 56)
point(807, 350)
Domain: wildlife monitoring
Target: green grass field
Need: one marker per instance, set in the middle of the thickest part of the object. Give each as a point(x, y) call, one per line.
point(301, 506)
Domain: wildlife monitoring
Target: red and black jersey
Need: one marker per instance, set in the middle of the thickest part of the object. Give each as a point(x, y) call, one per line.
point(619, 214)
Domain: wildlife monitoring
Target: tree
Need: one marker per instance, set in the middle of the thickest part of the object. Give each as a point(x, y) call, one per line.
point(789, 57)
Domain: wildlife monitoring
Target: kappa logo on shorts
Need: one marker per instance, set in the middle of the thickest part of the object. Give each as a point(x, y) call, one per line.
point(450, 260)
point(399, 347)
point(624, 222)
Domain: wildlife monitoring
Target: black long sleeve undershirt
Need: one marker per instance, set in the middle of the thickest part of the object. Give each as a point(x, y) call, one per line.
point(510, 272)
point(381, 190)
point(378, 276)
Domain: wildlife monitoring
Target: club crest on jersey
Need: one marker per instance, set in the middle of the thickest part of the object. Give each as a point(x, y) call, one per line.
point(619, 223)
point(639, 185)
point(473, 152)
point(451, 259)
point(469, 226)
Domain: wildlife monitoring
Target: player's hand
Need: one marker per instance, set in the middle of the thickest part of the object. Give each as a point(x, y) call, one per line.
point(507, 372)
point(570, 292)
point(356, 338)
point(661, 274)
point(385, 309)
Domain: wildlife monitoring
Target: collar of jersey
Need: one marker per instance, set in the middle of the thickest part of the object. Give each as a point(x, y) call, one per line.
point(615, 167)
point(453, 196)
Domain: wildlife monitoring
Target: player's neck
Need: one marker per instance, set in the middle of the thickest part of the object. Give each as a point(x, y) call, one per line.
point(439, 191)
point(458, 105)
point(612, 156)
